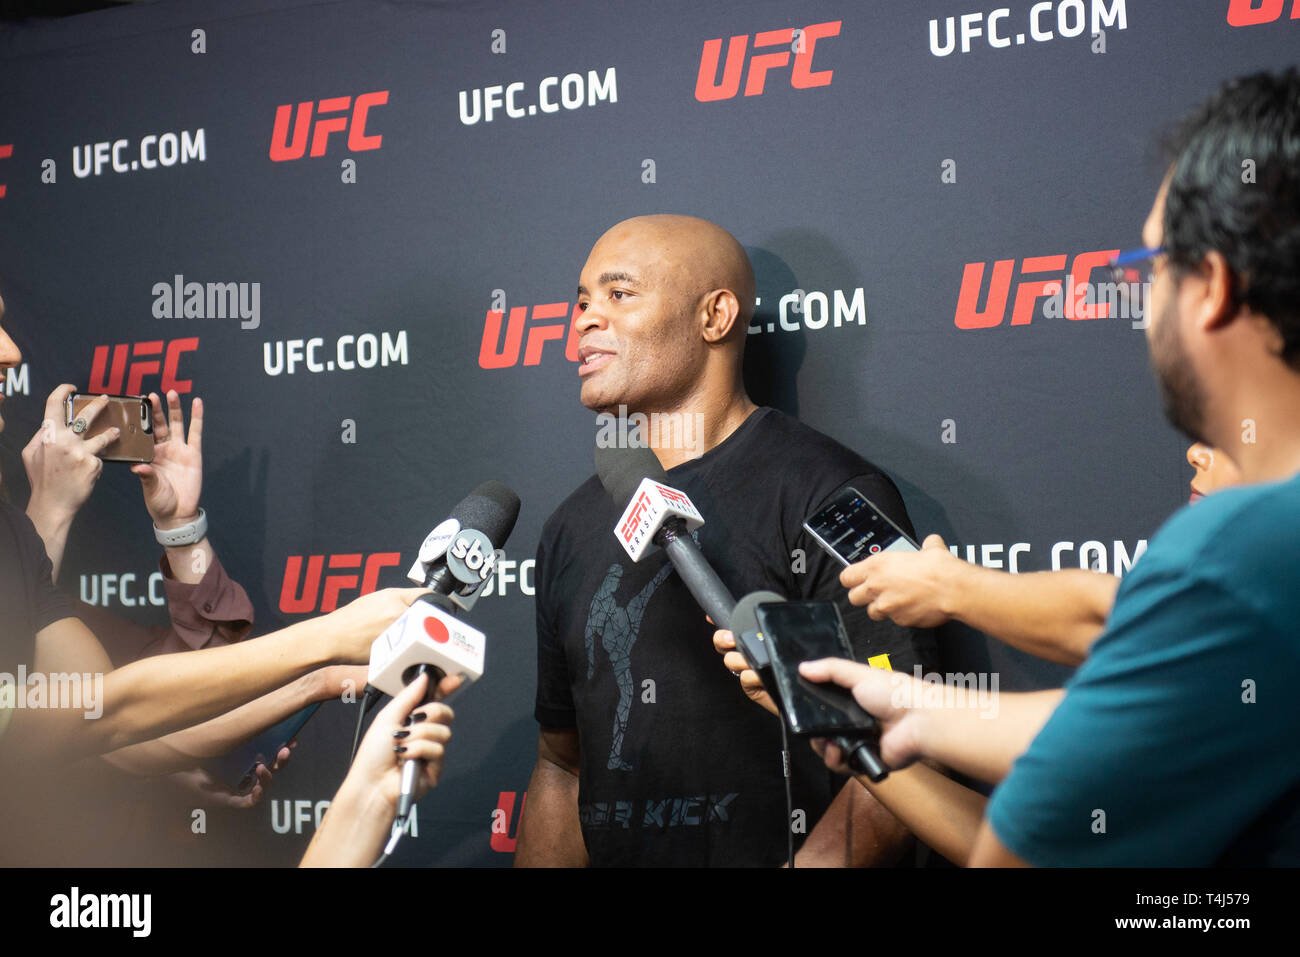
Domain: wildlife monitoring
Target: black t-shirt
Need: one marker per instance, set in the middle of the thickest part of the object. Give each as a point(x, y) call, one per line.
point(28, 599)
point(679, 767)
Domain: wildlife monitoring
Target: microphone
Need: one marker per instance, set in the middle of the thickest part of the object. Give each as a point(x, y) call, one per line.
point(456, 560)
point(658, 514)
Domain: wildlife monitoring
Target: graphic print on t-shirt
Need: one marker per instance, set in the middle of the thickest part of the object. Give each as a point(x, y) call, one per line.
point(618, 629)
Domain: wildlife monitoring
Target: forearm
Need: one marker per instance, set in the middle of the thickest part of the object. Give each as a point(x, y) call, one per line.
point(550, 834)
point(856, 831)
point(354, 831)
point(982, 737)
point(1053, 615)
point(181, 750)
point(53, 526)
point(156, 696)
point(941, 813)
point(189, 563)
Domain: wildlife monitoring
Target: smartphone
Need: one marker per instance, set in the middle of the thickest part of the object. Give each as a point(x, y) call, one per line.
point(130, 413)
point(798, 631)
point(239, 767)
point(851, 528)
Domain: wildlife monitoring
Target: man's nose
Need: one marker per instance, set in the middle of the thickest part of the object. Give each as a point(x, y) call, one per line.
point(10, 354)
point(589, 319)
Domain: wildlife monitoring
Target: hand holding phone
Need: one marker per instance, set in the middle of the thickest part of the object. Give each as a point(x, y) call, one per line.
point(90, 416)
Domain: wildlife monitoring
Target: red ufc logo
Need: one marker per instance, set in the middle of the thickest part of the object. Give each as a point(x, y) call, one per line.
point(299, 593)
point(1029, 291)
point(801, 42)
point(6, 151)
point(496, 353)
point(502, 842)
point(283, 148)
point(110, 378)
point(1247, 13)
point(634, 519)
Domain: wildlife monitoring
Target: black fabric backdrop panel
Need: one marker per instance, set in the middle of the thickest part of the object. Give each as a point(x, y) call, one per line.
point(1044, 433)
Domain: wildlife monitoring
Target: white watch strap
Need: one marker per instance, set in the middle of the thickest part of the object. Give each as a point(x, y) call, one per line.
point(190, 534)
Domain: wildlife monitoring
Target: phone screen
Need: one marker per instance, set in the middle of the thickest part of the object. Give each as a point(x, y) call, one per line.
point(802, 631)
point(236, 769)
point(851, 528)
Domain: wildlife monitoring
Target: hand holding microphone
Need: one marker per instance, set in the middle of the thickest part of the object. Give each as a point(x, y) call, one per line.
point(360, 817)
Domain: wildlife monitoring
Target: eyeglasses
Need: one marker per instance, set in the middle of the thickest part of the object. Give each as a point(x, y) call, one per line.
point(1136, 265)
point(1132, 273)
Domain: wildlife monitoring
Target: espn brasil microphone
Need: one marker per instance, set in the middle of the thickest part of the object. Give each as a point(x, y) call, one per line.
point(456, 560)
point(655, 513)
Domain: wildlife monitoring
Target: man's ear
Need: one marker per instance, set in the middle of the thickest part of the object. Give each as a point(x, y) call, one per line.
point(720, 312)
point(1218, 304)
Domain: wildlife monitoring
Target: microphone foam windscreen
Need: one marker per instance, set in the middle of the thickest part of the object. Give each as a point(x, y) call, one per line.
point(621, 470)
point(492, 508)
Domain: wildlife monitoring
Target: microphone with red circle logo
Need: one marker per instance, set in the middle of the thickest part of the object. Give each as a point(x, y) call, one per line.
point(457, 560)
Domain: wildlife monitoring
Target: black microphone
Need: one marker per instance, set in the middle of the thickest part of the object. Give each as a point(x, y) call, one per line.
point(656, 513)
point(757, 649)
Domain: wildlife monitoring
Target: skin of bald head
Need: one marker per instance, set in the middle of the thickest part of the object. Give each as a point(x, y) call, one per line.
point(665, 302)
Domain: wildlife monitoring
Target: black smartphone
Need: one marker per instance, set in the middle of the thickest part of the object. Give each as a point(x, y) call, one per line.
point(798, 631)
point(851, 528)
point(239, 767)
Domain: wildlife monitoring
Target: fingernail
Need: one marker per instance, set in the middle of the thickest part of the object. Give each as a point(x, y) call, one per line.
point(419, 716)
point(400, 749)
point(401, 734)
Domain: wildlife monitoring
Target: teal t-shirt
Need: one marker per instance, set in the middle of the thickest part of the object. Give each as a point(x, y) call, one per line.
point(1178, 741)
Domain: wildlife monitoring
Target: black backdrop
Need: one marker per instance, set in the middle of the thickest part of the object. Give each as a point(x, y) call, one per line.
point(867, 172)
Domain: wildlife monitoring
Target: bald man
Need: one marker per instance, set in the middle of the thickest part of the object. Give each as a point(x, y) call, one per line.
point(650, 752)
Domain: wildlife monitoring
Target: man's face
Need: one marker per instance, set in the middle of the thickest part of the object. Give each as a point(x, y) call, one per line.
point(9, 358)
point(1182, 392)
point(638, 345)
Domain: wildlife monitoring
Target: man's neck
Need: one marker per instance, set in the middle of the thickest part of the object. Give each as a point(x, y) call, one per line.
point(1262, 435)
point(696, 426)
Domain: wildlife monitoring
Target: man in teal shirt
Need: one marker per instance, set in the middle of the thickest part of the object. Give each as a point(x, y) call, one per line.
point(1177, 742)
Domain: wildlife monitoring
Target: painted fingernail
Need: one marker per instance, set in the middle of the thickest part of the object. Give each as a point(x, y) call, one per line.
point(401, 734)
point(400, 749)
point(419, 716)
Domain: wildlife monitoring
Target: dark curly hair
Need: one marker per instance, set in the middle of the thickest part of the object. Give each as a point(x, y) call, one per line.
point(1212, 205)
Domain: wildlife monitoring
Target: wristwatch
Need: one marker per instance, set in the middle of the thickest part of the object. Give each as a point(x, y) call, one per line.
point(190, 534)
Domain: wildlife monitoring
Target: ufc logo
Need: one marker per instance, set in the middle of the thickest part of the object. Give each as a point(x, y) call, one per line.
point(111, 377)
point(1029, 291)
point(6, 151)
point(1248, 13)
point(299, 593)
point(496, 353)
point(634, 519)
point(282, 148)
point(801, 42)
point(502, 817)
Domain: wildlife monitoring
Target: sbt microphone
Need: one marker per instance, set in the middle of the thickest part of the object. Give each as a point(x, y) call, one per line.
point(457, 563)
point(656, 514)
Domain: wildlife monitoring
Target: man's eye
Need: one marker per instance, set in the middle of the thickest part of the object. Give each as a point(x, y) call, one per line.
point(617, 294)
point(582, 307)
